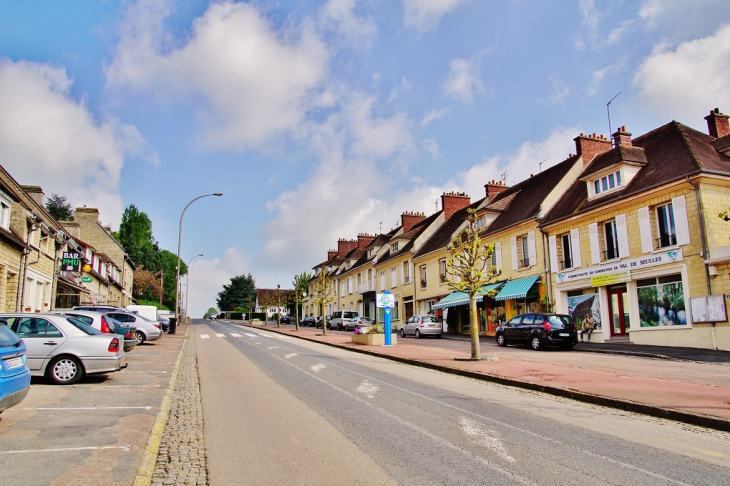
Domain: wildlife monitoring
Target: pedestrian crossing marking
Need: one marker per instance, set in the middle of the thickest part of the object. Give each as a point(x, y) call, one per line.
point(204, 336)
point(235, 334)
point(220, 335)
point(251, 335)
point(290, 355)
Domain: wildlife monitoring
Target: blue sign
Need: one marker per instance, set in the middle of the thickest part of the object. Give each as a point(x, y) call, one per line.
point(389, 300)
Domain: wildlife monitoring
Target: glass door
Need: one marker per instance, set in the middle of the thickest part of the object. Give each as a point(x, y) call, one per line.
point(618, 309)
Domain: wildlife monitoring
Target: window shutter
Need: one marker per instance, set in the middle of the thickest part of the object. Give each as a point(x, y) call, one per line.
point(681, 223)
point(647, 244)
point(595, 246)
point(394, 278)
point(382, 280)
point(498, 249)
point(514, 253)
point(553, 244)
point(575, 247)
point(402, 277)
point(531, 248)
point(623, 236)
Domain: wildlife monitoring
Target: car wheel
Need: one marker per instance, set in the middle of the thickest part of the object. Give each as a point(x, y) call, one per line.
point(140, 337)
point(65, 370)
point(402, 333)
point(535, 343)
point(418, 334)
point(501, 341)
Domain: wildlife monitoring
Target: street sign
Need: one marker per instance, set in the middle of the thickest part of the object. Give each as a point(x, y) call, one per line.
point(386, 300)
point(86, 279)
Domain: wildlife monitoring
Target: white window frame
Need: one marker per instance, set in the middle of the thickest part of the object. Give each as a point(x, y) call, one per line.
point(424, 278)
point(5, 212)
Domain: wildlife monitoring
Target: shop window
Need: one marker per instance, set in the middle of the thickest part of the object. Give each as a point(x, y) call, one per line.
point(610, 240)
point(665, 226)
point(661, 301)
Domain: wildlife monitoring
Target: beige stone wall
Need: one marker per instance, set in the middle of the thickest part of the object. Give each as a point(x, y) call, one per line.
point(399, 290)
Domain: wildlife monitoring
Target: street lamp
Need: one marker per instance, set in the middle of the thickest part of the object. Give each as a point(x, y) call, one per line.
point(179, 244)
point(187, 286)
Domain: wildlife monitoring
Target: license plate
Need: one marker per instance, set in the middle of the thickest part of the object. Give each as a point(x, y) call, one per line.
point(432, 325)
point(564, 334)
point(14, 363)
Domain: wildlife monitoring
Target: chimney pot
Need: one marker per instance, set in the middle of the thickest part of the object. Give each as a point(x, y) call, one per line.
point(717, 124)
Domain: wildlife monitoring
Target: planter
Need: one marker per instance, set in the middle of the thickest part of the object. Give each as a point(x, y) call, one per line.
point(373, 339)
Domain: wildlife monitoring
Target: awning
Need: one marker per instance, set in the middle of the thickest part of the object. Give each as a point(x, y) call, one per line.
point(462, 298)
point(517, 289)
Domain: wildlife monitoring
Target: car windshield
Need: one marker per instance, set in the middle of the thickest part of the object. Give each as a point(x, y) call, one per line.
point(559, 320)
point(115, 322)
point(82, 326)
point(8, 339)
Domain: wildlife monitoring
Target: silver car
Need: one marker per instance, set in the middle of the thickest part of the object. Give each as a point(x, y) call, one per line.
point(422, 326)
point(105, 324)
point(64, 349)
point(146, 330)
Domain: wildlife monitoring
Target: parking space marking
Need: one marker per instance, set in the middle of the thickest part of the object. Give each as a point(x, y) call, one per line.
point(82, 408)
point(70, 449)
point(204, 336)
point(220, 335)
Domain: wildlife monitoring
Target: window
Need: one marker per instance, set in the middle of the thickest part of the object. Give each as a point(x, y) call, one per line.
point(610, 240)
point(442, 270)
point(605, 183)
point(523, 252)
point(665, 225)
point(393, 276)
point(661, 301)
point(382, 280)
point(406, 272)
point(423, 277)
point(394, 247)
point(4, 213)
point(566, 251)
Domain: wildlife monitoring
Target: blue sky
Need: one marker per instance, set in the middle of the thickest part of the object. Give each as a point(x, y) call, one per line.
point(322, 120)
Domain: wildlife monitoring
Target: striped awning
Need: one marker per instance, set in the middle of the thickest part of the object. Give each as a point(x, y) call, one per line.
point(462, 298)
point(517, 289)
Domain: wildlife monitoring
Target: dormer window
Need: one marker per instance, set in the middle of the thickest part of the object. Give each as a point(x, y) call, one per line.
point(394, 247)
point(607, 182)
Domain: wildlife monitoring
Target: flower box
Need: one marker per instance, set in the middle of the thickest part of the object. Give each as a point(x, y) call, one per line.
point(373, 339)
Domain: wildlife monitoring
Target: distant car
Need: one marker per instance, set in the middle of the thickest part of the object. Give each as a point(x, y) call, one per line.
point(307, 321)
point(344, 319)
point(422, 326)
point(105, 324)
point(146, 330)
point(14, 372)
point(538, 331)
point(318, 322)
point(363, 322)
point(285, 319)
point(64, 349)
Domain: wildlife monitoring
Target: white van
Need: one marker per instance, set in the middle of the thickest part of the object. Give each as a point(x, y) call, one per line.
point(148, 311)
point(343, 319)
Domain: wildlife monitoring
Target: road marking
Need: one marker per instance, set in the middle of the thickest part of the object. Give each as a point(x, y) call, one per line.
point(220, 335)
point(235, 334)
point(368, 389)
point(83, 408)
point(70, 449)
point(483, 437)
point(290, 355)
point(270, 347)
point(318, 367)
point(204, 336)
point(251, 335)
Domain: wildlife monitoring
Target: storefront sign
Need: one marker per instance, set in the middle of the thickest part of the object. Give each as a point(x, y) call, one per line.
point(86, 279)
point(610, 279)
point(622, 266)
point(70, 261)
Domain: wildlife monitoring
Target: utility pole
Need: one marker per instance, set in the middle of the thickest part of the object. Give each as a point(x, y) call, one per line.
point(162, 287)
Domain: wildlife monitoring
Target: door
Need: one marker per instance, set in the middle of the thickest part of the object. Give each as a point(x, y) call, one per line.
point(408, 306)
point(41, 338)
point(618, 310)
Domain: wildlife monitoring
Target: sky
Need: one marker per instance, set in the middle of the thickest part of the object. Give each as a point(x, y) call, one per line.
point(320, 120)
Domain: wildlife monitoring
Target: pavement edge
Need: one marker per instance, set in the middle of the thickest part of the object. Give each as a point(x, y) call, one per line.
point(146, 468)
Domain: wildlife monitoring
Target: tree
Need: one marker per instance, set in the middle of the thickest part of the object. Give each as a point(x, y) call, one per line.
point(300, 284)
point(168, 265)
point(146, 284)
point(210, 312)
point(238, 292)
point(59, 208)
point(468, 270)
point(323, 292)
point(135, 236)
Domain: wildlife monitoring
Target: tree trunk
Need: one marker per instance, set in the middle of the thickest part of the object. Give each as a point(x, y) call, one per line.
point(324, 322)
point(474, 326)
point(296, 315)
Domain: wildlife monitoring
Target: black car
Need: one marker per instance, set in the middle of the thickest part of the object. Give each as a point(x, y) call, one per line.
point(539, 331)
point(285, 319)
point(306, 321)
point(318, 322)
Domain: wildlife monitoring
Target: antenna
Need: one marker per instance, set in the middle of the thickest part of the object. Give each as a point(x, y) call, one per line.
point(542, 163)
point(381, 227)
point(503, 177)
point(437, 204)
point(608, 112)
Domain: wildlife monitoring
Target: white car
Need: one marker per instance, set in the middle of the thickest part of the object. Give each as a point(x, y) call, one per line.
point(422, 326)
point(64, 349)
point(146, 330)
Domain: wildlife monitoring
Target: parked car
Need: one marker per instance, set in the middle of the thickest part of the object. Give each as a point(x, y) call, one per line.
point(146, 330)
point(318, 322)
point(14, 372)
point(307, 321)
point(538, 331)
point(285, 319)
point(64, 349)
point(422, 326)
point(164, 323)
point(105, 324)
point(99, 308)
point(341, 319)
point(363, 322)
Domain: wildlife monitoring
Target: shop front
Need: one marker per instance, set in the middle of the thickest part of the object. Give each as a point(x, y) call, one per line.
point(454, 311)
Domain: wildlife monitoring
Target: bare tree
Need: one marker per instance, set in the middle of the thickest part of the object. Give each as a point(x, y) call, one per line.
point(323, 292)
point(468, 269)
point(300, 282)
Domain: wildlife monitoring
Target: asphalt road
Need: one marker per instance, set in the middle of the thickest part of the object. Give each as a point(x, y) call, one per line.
point(280, 410)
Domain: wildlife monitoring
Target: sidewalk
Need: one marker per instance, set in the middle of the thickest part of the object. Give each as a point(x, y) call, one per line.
point(686, 385)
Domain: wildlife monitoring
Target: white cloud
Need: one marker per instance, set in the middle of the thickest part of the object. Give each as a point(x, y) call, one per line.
point(51, 140)
point(340, 16)
point(559, 95)
point(591, 20)
point(379, 137)
point(681, 20)
point(403, 87)
point(425, 15)
point(685, 81)
point(432, 116)
point(463, 81)
point(252, 82)
point(432, 146)
point(207, 277)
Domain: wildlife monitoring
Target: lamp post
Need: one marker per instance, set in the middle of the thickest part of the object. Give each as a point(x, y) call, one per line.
point(187, 286)
point(179, 244)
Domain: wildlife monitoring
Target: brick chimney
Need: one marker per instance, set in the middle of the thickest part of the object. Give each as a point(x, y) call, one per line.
point(344, 246)
point(363, 240)
point(409, 219)
point(589, 146)
point(331, 254)
point(453, 201)
point(717, 124)
point(494, 187)
point(622, 138)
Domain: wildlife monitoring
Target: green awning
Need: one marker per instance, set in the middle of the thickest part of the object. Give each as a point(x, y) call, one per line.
point(462, 298)
point(517, 289)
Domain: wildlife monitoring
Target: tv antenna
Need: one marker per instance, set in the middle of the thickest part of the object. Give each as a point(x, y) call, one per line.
point(503, 177)
point(542, 163)
point(436, 203)
point(608, 112)
point(381, 227)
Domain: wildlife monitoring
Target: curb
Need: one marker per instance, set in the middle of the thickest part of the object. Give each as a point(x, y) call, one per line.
point(626, 405)
point(146, 468)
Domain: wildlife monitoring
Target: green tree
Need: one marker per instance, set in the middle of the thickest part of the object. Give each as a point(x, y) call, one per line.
point(237, 293)
point(135, 236)
point(468, 270)
point(300, 283)
point(210, 312)
point(168, 263)
point(59, 208)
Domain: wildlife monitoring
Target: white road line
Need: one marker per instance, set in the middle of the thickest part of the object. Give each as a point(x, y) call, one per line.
point(484, 437)
point(82, 408)
point(220, 335)
point(251, 335)
point(204, 336)
point(318, 367)
point(70, 449)
point(368, 389)
point(235, 334)
point(270, 347)
point(290, 355)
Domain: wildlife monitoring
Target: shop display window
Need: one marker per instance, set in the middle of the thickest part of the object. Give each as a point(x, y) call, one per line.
point(661, 301)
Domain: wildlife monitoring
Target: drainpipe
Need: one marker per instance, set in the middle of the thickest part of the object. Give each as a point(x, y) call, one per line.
point(548, 278)
point(21, 278)
point(704, 248)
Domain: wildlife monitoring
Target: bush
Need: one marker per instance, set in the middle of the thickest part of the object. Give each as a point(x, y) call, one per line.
point(258, 315)
point(239, 310)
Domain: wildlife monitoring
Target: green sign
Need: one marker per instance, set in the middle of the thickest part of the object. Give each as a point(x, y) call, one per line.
point(86, 279)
